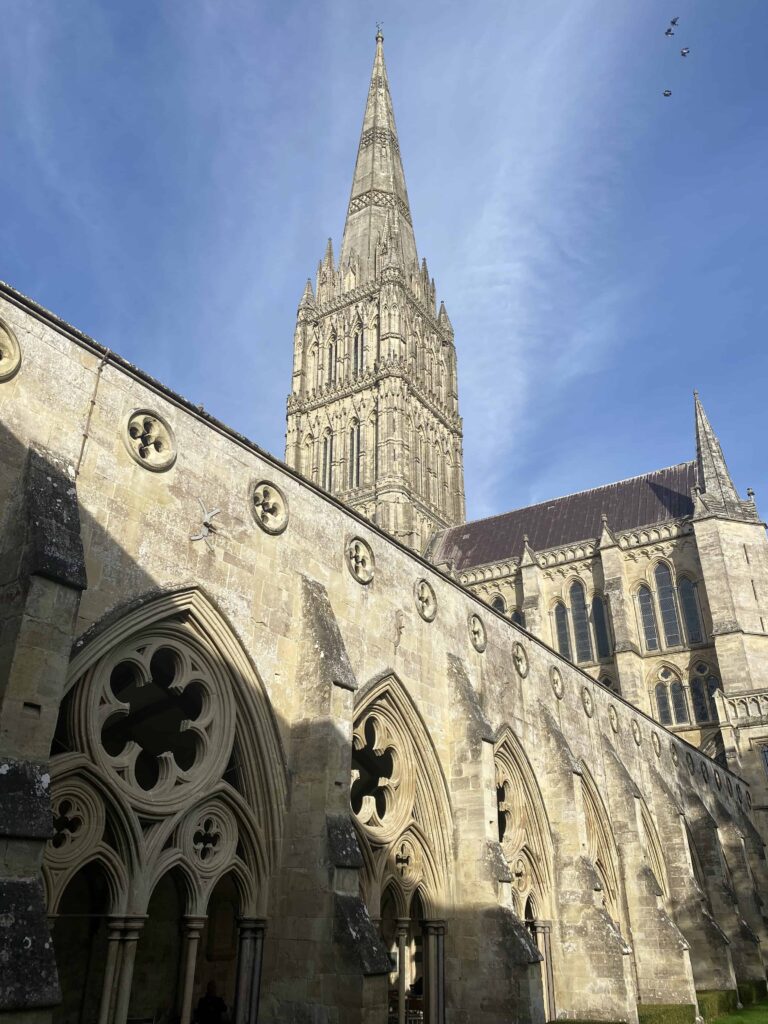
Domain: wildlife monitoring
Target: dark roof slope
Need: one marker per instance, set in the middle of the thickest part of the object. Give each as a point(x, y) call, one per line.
point(652, 498)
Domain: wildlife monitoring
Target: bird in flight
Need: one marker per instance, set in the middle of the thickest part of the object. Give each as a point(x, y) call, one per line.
point(667, 92)
point(674, 21)
point(685, 51)
point(669, 32)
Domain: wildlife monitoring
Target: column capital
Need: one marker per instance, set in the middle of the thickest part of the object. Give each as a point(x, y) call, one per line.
point(194, 924)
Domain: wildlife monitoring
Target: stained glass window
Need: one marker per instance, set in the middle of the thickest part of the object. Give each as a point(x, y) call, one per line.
point(662, 703)
point(699, 698)
point(679, 703)
point(690, 607)
point(561, 628)
point(645, 600)
point(600, 622)
point(667, 605)
point(580, 618)
point(498, 604)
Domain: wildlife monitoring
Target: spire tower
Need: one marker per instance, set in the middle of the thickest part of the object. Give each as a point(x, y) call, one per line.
point(717, 492)
point(373, 414)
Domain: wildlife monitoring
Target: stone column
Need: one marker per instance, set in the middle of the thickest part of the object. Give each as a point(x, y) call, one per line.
point(246, 936)
point(130, 936)
point(256, 962)
point(193, 929)
point(115, 927)
point(434, 972)
point(542, 934)
point(403, 925)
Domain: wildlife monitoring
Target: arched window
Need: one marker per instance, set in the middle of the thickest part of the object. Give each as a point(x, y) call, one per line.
point(499, 604)
point(561, 630)
point(600, 622)
point(679, 703)
point(703, 687)
point(518, 617)
point(331, 370)
point(580, 619)
point(354, 454)
point(357, 351)
point(313, 375)
point(648, 618)
point(327, 479)
point(609, 684)
point(665, 592)
point(690, 607)
point(662, 704)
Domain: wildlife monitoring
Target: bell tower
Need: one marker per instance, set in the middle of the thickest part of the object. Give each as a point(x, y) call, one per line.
point(373, 414)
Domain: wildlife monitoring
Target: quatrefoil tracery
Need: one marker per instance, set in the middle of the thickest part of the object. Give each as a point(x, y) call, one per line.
point(383, 785)
point(269, 507)
point(150, 441)
point(360, 561)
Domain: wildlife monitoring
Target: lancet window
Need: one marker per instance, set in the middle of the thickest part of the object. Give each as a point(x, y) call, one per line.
point(327, 464)
point(332, 356)
point(671, 699)
point(575, 629)
point(580, 618)
point(358, 364)
point(354, 455)
point(704, 685)
point(561, 629)
point(664, 604)
point(689, 603)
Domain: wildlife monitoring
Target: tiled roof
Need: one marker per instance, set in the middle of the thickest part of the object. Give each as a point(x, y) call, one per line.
point(640, 501)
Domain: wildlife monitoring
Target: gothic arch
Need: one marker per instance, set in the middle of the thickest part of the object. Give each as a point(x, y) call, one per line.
point(400, 799)
point(602, 849)
point(244, 719)
point(524, 831)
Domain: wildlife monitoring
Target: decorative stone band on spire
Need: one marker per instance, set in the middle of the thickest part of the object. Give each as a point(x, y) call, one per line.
point(381, 136)
point(376, 198)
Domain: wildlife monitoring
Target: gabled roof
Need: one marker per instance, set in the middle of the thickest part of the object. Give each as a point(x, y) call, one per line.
point(655, 497)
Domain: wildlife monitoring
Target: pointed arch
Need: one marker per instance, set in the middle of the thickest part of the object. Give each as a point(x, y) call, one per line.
point(190, 613)
point(404, 816)
point(601, 846)
point(524, 831)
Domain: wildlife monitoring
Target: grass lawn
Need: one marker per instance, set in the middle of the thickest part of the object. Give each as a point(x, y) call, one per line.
point(756, 1014)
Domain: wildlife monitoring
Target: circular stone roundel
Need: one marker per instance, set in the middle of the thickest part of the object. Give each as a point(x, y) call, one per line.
point(360, 561)
point(635, 731)
point(586, 700)
point(656, 743)
point(557, 682)
point(477, 632)
point(718, 779)
point(520, 659)
point(674, 753)
point(426, 602)
point(689, 762)
point(269, 507)
point(10, 353)
point(614, 718)
point(150, 440)
point(704, 772)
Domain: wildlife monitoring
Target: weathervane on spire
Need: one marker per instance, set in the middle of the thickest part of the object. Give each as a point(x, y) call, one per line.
point(379, 33)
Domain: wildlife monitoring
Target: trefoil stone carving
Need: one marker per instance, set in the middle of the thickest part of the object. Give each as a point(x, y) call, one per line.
point(558, 687)
point(269, 507)
point(360, 560)
point(477, 633)
point(426, 601)
point(520, 658)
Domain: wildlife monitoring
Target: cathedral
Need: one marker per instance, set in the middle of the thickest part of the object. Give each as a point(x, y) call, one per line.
point(296, 739)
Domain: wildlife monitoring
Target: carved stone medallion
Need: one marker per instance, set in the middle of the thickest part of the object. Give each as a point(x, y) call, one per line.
point(636, 731)
point(704, 771)
point(613, 717)
point(586, 700)
point(360, 561)
point(656, 743)
point(718, 779)
point(729, 785)
point(269, 507)
point(520, 659)
point(10, 353)
point(426, 602)
point(689, 762)
point(558, 688)
point(674, 753)
point(477, 632)
point(150, 440)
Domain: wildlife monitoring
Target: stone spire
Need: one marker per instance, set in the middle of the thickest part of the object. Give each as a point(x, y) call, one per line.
point(378, 185)
point(717, 491)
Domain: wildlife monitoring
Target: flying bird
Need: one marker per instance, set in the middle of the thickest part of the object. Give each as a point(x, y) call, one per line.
point(685, 51)
point(667, 92)
point(669, 32)
point(674, 21)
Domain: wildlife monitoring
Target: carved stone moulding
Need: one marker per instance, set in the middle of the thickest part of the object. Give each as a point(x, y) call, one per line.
point(477, 634)
point(586, 700)
point(674, 753)
point(269, 506)
point(613, 717)
point(729, 785)
point(718, 779)
point(704, 771)
point(520, 658)
point(656, 743)
point(360, 560)
point(426, 601)
point(149, 440)
point(636, 731)
point(10, 353)
point(689, 762)
point(558, 687)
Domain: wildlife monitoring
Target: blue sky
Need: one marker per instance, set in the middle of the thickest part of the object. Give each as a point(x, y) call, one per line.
point(171, 171)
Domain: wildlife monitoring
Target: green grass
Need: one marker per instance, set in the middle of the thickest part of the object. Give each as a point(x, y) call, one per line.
point(757, 1013)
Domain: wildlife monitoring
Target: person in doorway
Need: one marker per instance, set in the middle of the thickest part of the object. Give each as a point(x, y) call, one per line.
point(211, 1009)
